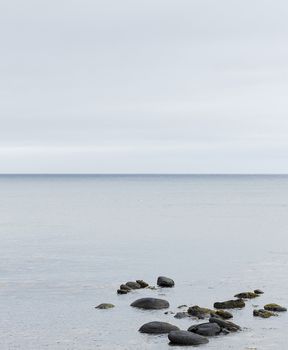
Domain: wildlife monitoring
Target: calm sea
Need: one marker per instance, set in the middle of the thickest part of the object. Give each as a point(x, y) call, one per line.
point(68, 242)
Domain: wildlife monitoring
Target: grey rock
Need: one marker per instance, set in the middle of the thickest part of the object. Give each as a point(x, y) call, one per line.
point(157, 328)
point(230, 326)
point(133, 285)
point(142, 283)
point(150, 304)
point(208, 329)
point(186, 338)
point(125, 287)
point(181, 315)
point(104, 306)
point(199, 312)
point(165, 282)
point(122, 291)
point(258, 291)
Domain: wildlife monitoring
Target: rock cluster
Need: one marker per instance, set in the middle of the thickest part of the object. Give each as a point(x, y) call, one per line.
point(131, 285)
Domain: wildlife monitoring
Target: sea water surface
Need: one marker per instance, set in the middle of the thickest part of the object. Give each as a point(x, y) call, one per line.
point(68, 242)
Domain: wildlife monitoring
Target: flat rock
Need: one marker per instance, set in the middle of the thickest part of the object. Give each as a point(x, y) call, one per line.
point(246, 295)
point(186, 338)
point(165, 282)
point(104, 306)
point(223, 314)
point(275, 307)
point(181, 315)
point(263, 313)
point(133, 285)
point(230, 304)
point(150, 304)
point(230, 326)
point(156, 327)
point(208, 329)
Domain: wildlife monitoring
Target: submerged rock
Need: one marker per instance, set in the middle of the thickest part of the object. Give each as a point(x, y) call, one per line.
point(223, 314)
point(181, 315)
point(157, 328)
point(199, 312)
point(258, 291)
point(182, 306)
point(263, 313)
point(275, 307)
point(133, 285)
point(150, 304)
point(208, 329)
point(246, 295)
point(186, 338)
point(230, 326)
point(104, 306)
point(230, 304)
point(165, 282)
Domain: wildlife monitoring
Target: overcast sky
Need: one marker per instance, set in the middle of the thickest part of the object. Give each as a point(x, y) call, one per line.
point(152, 86)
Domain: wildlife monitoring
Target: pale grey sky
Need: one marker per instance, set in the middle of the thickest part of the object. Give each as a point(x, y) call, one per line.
point(154, 86)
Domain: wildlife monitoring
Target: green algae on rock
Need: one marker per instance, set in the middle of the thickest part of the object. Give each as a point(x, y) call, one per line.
point(263, 313)
point(275, 307)
point(246, 295)
point(230, 304)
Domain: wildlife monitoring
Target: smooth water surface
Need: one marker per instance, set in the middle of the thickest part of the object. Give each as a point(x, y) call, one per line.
point(68, 242)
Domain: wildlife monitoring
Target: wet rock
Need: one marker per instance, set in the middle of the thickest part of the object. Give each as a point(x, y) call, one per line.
point(125, 287)
point(165, 282)
point(246, 295)
point(181, 306)
point(263, 313)
point(104, 306)
point(275, 307)
point(230, 304)
point(199, 312)
point(133, 285)
point(122, 291)
point(181, 315)
point(142, 283)
point(230, 326)
point(186, 338)
point(157, 328)
point(223, 314)
point(169, 313)
point(208, 329)
point(150, 304)
point(258, 291)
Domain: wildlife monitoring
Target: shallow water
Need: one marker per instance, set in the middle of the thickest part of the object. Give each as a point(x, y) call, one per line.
point(68, 242)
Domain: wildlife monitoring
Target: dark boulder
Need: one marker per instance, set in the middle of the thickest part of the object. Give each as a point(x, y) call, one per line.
point(223, 314)
point(206, 329)
point(133, 285)
point(199, 312)
point(125, 287)
point(142, 283)
point(186, 338)
point(122, 291)
point(165, 282)
point(263, 313)
point(275, 307)
point(230, 326)
point(230, 304)
point(258, 291)
point(150, 304)
point(157, 328)
point(246, 295)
